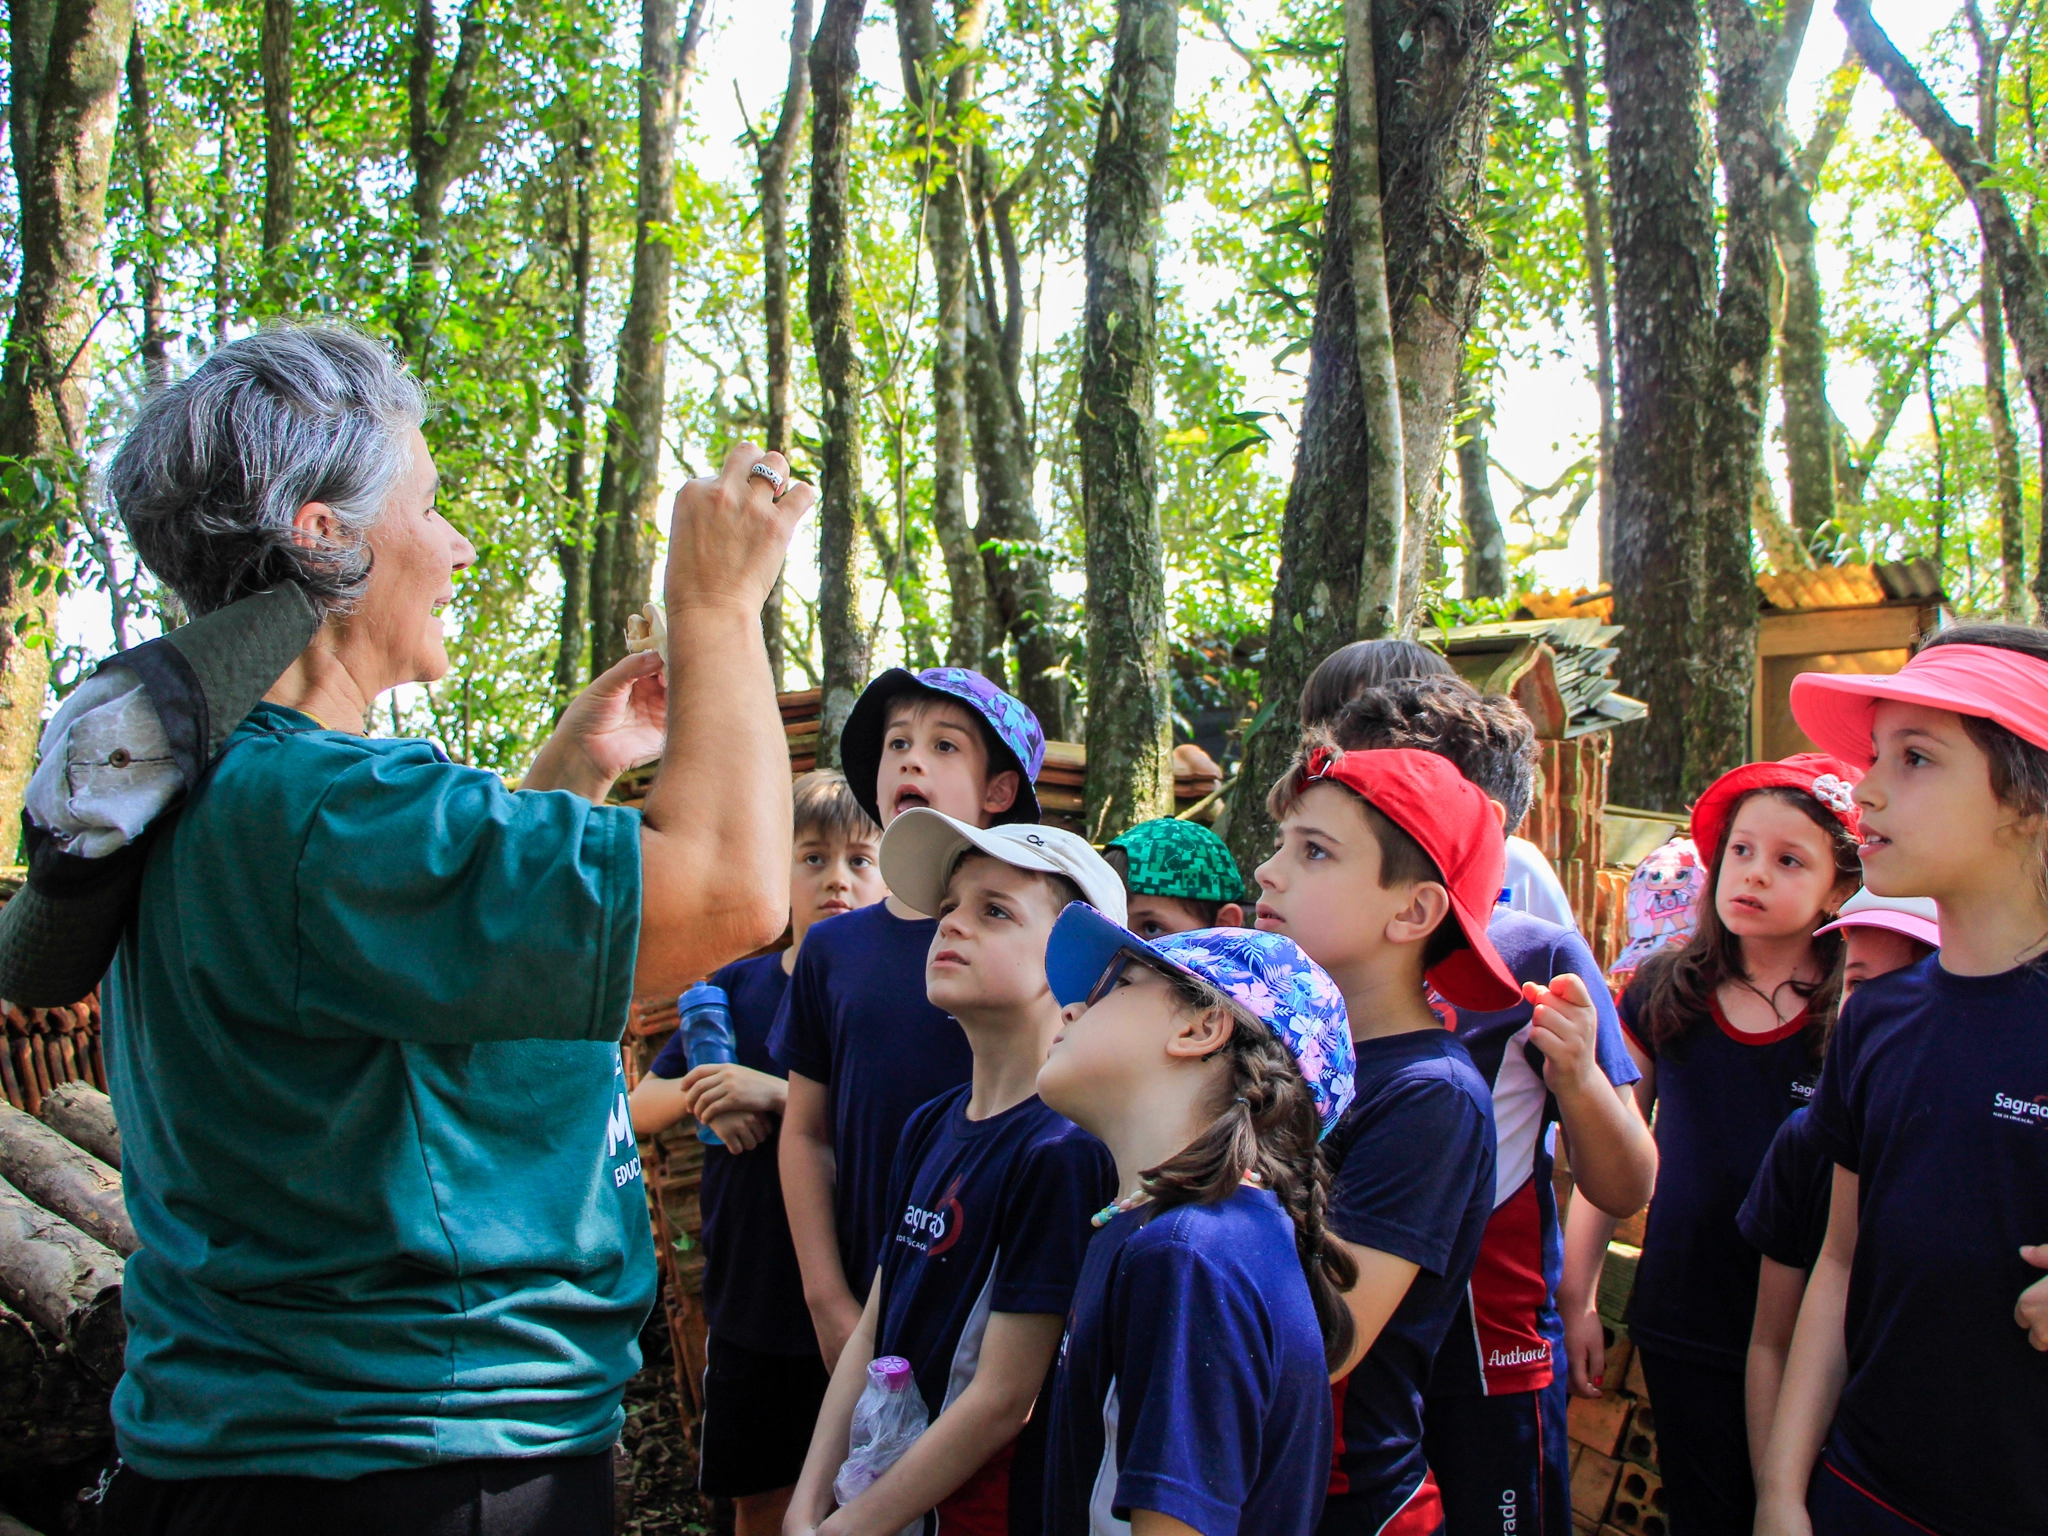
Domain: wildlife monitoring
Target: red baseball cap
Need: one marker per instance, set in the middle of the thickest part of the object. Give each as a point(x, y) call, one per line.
point(1828, 779)
point(1456, 825)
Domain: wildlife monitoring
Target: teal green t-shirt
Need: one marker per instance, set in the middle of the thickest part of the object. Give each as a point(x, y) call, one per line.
point(363, 1045)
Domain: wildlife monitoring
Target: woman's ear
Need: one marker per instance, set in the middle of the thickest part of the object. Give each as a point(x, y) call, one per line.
point(314, 525)
point(1201, 1034)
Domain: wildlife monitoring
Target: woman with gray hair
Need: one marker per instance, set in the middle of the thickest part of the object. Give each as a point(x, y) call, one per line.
point(362, 1033)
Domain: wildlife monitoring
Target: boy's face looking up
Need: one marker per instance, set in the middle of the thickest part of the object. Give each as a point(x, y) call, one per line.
point(934, 754)
point(832, 873)
point(989, 953)
point(1322, 889)
point(1154, 917)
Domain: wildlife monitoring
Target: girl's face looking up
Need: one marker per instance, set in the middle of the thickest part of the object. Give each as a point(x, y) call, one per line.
point(1105, 1053)
point(1778, 873)
point(1931, 824)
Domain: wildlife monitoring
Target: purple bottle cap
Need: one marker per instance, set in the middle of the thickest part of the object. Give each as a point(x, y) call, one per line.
point(891, 1371)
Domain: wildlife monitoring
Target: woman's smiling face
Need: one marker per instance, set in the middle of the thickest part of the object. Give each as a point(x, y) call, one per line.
point(394, 629)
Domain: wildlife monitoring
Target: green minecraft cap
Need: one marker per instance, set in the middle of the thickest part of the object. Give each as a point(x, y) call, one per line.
point(1183, 859)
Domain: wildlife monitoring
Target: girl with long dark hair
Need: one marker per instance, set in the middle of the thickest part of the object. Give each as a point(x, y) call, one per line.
point(1728, 1032)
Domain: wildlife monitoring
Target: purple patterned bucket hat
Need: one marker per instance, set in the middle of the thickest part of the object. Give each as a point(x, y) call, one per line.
point(1265, 974)
point(1015, 730)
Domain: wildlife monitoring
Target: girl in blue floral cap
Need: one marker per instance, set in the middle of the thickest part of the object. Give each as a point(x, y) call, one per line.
point(1193, 1382)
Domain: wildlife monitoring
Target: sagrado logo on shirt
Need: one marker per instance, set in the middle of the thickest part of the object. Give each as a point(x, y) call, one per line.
point(2006, 1106)
point(931, 1233)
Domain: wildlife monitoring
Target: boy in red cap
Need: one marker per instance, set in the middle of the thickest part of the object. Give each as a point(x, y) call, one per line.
point(1387, 872)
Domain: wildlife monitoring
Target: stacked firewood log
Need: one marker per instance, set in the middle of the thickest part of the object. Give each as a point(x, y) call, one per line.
point(64, 1240)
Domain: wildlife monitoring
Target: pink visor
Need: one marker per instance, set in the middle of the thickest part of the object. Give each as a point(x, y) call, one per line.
point(2006, 687)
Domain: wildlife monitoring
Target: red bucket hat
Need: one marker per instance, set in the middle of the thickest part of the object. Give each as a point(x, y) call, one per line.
point(1452, 819)
point(1828, 779)
point(1988, 681)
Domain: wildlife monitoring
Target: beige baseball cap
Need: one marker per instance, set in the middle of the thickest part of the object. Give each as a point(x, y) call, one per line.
point(922, 847)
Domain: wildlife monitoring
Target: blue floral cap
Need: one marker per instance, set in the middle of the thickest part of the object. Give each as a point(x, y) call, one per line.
point(1015, 728)
point(1265, 974)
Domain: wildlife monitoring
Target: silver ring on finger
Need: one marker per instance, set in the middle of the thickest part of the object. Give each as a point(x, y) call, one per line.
point(775, 478)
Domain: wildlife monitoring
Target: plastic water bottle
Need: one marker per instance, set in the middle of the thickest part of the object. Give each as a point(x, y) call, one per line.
point(886, 1422)
point(707, 1036)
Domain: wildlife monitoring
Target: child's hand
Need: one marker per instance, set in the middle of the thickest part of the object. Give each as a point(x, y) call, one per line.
point(2032, 1312)
point(742, 1133)
point(1788, 1518)
point(724, 1088)
point(1567, 1031)
point(1585, 1351)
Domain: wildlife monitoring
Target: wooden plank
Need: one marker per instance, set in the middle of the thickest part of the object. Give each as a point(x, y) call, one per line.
point(1813, 631)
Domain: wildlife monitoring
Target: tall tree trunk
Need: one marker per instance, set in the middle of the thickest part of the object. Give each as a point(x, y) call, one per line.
point(1732, 424)
point(1802, 341)
point(572, 551)
point(224, 221)
point(1486, 559)
point(1569, 19)
point(1386, 487)
point(1007, 530)
point(942, 102)
point(1322, 534)
point(2005, 454)
point(835, 339)
point(629, 484)
point(149, 273)
point(437, 144)
point(1663, 333)
point(2021, 281)
point(772, 160)
point(1432, 62)
point(281, 140)
point(1130, 714)
point(75, 57)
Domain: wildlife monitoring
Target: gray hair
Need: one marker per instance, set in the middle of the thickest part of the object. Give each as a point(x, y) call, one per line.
point(217, 465)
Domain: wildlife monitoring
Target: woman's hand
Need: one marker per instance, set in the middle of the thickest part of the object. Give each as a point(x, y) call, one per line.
point(1585, 1351)
point(727, 1088)
point(618, 722)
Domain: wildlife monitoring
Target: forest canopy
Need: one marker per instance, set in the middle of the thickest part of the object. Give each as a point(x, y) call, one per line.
point(1143, 352)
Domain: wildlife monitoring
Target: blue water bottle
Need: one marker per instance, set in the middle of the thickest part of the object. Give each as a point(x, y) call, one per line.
point(707, 1036)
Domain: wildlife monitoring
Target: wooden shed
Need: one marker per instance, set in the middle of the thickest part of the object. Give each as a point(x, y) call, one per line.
point(1849, 618)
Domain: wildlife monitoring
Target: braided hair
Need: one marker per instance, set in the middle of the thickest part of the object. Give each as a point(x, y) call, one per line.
point(1264, 1125)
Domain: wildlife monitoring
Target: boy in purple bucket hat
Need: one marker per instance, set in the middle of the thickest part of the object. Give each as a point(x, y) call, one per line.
point(862, 1044)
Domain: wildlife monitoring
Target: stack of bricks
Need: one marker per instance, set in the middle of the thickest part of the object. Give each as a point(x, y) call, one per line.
point(1566, 814)
point(1616, 1490)
point(47, 1046)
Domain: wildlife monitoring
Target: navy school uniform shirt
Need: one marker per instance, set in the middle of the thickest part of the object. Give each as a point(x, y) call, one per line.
point(855, 1019)
point(992, 1215)
point(1191, 1379)
point(1508, 1327)
point(1785, 1217)
point(1412, 1175)
point(1721, 1096)
point(753, 1290)
point(1936, 1097)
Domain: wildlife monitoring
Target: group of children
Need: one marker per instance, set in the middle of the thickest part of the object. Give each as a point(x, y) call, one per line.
point(1173, 1223)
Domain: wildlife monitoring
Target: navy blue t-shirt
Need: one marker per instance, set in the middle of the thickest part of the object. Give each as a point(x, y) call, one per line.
point(1936, 1097)
point(991, 1216)
point(856, 1020)
point(1412, 1175)
point(1508, 1326)
point(1721, 1096)
point(753, 1290)
point(1191, 1379)
point(1785, 1217)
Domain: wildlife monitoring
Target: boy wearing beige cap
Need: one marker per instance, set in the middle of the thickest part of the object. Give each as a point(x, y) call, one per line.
point(992, 1193)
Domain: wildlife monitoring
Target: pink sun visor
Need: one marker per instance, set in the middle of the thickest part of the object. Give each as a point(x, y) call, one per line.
point(1987, 681)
